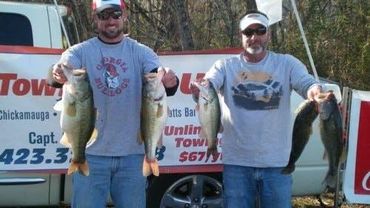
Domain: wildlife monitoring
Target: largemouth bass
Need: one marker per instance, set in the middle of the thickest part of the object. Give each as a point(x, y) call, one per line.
point(153, 119)
point(306, 113)
point(77, 118)
point(209, 115)
point(331, 135)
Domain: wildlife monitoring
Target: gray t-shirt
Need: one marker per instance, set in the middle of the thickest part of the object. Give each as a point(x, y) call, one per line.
point(115, 72)
point(255, 105)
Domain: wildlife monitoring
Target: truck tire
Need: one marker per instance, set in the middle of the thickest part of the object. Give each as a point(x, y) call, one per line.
point(185, 190)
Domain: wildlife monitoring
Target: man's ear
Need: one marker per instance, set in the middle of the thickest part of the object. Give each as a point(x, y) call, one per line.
point(124, 15)
point(269, 33)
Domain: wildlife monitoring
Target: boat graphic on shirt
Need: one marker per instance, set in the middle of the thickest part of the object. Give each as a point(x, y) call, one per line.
point(256, 91)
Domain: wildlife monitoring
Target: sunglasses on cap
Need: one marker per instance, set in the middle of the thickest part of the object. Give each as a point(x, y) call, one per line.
point(258, 31)
point(106, 15)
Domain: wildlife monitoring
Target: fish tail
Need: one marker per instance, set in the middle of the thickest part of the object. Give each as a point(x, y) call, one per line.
point(73, 167)
point(155, 168)
point(330, 181)
point(150, 167)
point(212, 150)
point(146, 168)
point(83, 168)
point(288, 169)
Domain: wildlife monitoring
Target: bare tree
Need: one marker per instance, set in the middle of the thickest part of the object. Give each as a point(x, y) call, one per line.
point(183, 24)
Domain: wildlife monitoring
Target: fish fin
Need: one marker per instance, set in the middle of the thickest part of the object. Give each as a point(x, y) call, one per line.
point(150, 167)
point(65, 141)
point(93, 137)
point(211, 151)
point(140, 138)
point(160, 141)
point(343, 155)
point(84, 168)
point(288, 169)
point(94, 134)
point(154, 167)
point(73, 167)
point(205, 106)
point(58, 106)
point(96, 113)
point(195, 98)
point(194, 92)
point(325, 155)
point(146, 168)
point(310, 131)
point(202, 134)
point(71, 109)
point(330, 181)
point(160, 111)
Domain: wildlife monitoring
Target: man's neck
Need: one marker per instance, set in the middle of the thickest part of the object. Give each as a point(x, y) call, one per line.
point(254, 58)
point(111, 41)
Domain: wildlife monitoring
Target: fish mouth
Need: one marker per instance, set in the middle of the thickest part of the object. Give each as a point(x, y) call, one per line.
point(159, 98)
point(325, 96)
point(79, 72)
point(150, 77)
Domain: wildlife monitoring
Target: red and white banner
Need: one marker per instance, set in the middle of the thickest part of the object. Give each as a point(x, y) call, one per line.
point(357, 173)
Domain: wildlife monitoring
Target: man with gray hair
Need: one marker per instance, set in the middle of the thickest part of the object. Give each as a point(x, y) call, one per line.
point(255, 88)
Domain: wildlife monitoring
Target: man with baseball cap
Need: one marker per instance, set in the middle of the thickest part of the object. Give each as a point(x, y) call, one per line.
point(255, 87)
point(254, 18)
point(115, 64)
point(100, 5)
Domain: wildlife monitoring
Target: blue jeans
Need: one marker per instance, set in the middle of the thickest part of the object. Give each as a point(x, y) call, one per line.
point(122, 177)
point(248, 187)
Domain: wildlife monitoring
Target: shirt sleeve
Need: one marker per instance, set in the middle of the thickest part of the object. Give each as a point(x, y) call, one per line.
point(216, 74)
point(300, 79)
point(69, 57)
point(149, 59)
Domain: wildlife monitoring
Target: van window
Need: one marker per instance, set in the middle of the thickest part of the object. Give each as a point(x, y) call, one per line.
point(17, 33)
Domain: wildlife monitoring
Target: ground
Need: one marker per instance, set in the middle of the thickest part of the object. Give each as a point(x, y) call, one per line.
point(304, 202)
point(313, 202)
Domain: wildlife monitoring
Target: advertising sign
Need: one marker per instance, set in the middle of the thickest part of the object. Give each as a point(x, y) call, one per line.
point(30, 126)
point(357, 174)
